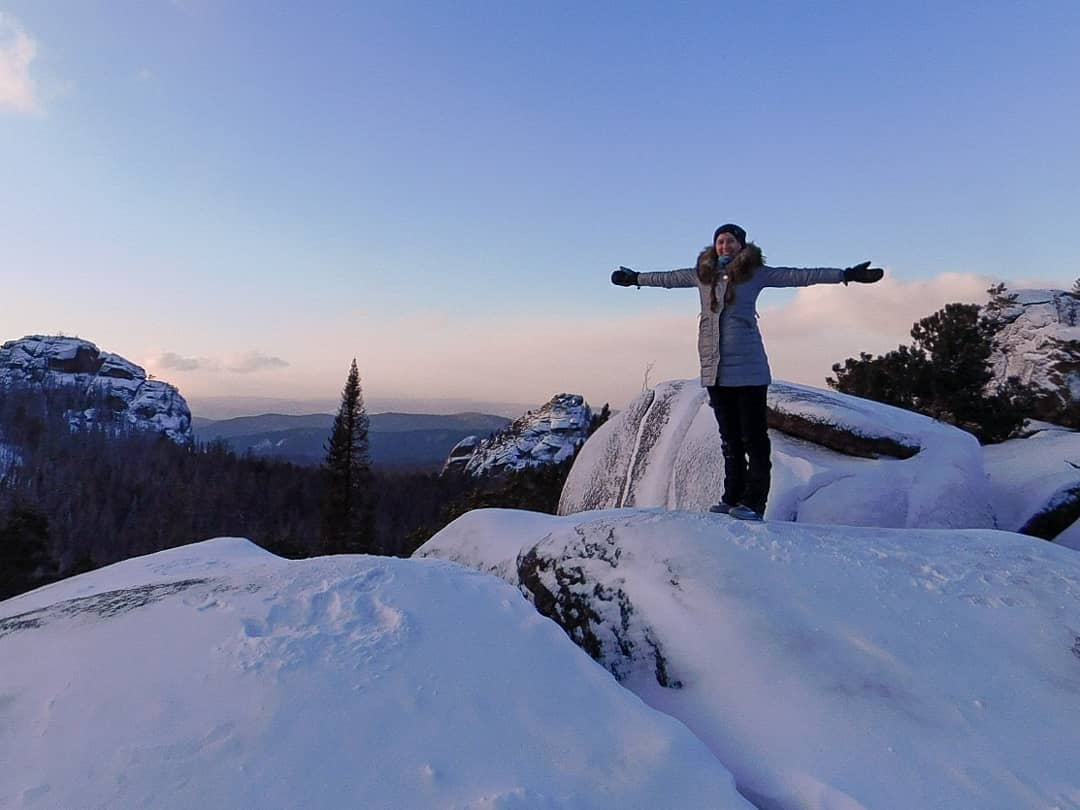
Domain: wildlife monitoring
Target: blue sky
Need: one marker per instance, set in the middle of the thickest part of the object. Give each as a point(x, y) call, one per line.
point(261, 191)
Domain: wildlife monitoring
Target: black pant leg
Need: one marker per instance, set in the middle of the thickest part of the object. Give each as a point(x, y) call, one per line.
point(725, 404)
point(753, 418)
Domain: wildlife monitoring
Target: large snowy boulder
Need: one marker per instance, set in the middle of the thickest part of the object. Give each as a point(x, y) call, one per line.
point(825, 666)
point(1035, 484)
point(126, 395)
point(548, 435)
point(461, 454)
point(1039, 342)
point(217, 675)
point(836, 459)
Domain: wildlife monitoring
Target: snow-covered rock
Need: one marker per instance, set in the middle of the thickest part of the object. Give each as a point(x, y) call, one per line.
point(825, 666)
point(131, 399)
point(545, 436)
point(1039, 342)
point(461, 454)
point(1035, 482)
point(836, 459)
point(217, 675)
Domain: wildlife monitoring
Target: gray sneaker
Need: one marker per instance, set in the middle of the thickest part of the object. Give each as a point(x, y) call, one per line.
point(721, 508)
point(744, 512)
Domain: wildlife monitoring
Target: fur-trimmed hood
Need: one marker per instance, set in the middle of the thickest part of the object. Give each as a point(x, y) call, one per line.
point(739, 269)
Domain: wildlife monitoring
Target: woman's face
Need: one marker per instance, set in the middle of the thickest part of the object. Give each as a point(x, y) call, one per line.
point(727, 245)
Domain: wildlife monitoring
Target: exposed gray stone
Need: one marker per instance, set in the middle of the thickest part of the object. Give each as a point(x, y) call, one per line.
point(131, 399)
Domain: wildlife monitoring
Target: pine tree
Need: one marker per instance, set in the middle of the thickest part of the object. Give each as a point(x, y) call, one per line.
point(1076, 288)
point(348, 517)
point(25, 562)
point(946, 374)
point(1000, 300)
point(599, 418)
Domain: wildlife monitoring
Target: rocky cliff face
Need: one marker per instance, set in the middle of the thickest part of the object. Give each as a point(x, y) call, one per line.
point(546, 436)
point(1039, 342)
point(130, 398)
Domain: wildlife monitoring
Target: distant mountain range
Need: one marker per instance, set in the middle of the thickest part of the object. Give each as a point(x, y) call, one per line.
point(397, 439)
point(229, 407)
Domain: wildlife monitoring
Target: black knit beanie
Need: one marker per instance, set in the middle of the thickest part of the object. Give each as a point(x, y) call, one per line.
point(734, 230)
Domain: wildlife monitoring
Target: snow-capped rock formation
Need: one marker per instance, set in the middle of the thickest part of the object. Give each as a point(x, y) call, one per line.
point(461, 454)
point(546, 436)
point(1039, 342)
point(131, 399)
point(1035, 484)
point(836, 459)
point(218, 675)
point(824, 666)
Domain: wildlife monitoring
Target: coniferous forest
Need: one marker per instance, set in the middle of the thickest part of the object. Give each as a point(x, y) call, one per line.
point(71, 501)
point(945, 373)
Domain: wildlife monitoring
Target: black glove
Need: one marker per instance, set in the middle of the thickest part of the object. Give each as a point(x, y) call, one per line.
point(863, 273)
point(624, 277)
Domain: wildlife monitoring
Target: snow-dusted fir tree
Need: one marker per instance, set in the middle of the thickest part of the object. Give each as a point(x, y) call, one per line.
point(348, 515)
point(1001, 299)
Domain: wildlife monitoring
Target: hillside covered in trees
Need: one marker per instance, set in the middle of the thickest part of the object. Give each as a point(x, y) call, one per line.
point(74, 500)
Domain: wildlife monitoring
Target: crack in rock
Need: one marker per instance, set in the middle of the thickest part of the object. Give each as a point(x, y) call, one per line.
point(106, 605)
point(600, 618)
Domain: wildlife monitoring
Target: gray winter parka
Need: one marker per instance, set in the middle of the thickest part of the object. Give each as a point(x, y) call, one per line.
point(729, 342)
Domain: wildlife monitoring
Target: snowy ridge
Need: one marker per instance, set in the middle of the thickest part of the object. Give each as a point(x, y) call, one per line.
point(825, 666)
point(133, 400)
point(217, 675)
point(545, 436)
point(1039, 342)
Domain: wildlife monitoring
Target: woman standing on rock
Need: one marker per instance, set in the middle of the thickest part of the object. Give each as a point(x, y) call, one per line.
point(729, 275)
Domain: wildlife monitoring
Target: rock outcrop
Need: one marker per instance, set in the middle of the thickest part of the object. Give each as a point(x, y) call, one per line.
point(836, 459)
point(118, 392)
point(827, 666)
point(1039, 342)
point(1035, 484)
point(461, 454)
point(545, 436)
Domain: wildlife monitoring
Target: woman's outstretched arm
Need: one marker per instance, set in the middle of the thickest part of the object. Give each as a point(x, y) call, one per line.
point(684, 277)
point(805, 276)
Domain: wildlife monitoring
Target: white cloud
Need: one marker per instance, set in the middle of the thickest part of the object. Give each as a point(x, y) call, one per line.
point(252, 361)
point(606, 357)
point(244, 363)
point(174, 362)
point(17, 52)
point(499, 358)
point(826, 324)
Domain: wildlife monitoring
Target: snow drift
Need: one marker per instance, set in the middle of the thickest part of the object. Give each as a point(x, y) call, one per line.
point(217, 675)
point(825, 666)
